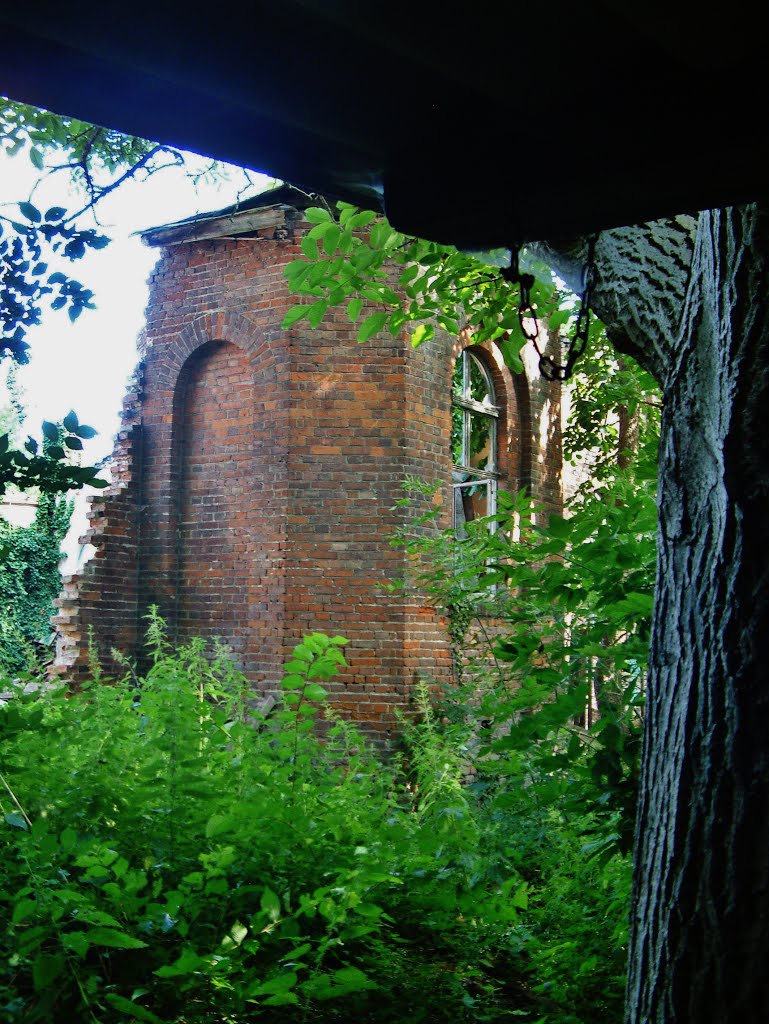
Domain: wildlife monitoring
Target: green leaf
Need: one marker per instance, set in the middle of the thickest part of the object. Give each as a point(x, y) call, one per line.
point(113, 938)
point(187, 963)
point(282, 999)
point(50, 431)
point(12, 818)
point(73, 443)
point(77, 942)
point(317, 215)
point(36, 158)
point(295, 666)
point(382, 235)
point(70, 421)
point(371, 326)
point(521, 897)
point(559, 318)
point(97, 917)
point(218, 824)
point(132, 1009)
point(559, 527)
point(292, 682)
point(270, 904)
point(354, 307)
point(330, 239)
point(294, 314)
point(295, 269)
point(310, 248)
point(422, 333)
point(30, 212)
point(351, 979)
point(511, 353)
point(315, 691)
point(350, 975)
point(29, 939)
point(318, 231)
point(45, 969)
point(23, 910)
point(360, 220)
point(316, 312)
point(276, 987)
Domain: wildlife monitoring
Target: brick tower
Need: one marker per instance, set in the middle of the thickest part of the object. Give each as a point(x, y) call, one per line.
point(256, 474)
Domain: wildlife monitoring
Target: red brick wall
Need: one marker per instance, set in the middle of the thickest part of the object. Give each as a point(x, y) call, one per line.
point(259, 482)
point(228, 557)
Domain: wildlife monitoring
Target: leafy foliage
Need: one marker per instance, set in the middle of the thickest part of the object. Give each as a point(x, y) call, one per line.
point(48, 467)
point(356, 259)
point(172, 855)
point(37, 246)
point(550, 623)
point(29, 582)
point(614, 416)
point(31, 238)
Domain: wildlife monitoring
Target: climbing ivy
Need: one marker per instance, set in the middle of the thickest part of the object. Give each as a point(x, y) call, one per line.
point(30, 581)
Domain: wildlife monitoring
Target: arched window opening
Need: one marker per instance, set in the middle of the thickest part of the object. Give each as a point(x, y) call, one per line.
point(474, 441)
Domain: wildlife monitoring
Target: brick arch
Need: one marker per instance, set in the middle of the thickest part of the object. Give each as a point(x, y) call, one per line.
point(215, 327)
point(214, 463)
point(217, 409)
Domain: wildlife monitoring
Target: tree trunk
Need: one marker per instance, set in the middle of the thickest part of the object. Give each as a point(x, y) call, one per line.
point(689, 300)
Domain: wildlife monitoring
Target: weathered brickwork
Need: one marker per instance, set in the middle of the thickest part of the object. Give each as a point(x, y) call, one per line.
point(258, 472)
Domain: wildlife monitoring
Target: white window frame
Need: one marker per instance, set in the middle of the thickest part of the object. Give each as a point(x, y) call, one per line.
point(469, 476)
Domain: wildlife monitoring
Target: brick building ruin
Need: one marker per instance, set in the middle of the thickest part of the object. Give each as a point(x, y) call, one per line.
point(256, 473)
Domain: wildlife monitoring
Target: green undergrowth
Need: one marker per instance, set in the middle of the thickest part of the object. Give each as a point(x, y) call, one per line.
point(171, 856)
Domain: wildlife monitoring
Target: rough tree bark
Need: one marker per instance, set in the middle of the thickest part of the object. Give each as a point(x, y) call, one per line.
point(688, 298)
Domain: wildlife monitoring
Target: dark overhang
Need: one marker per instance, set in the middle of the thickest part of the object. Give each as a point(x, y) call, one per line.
point(478, 124)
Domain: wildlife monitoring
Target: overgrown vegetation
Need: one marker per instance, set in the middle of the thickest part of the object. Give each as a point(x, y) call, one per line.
point(175, 856)
point(30, 555)
point(29, 582)
point(171, 856)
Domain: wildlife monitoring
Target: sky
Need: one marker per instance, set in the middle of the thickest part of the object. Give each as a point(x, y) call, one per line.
point(85, 366)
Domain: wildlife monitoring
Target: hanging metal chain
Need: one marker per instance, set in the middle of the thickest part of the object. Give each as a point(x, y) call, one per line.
point(548, 367)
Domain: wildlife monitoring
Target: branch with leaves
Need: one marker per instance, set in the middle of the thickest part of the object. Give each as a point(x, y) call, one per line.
point(48, 467)
point(36, 243)
point(356, 259)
